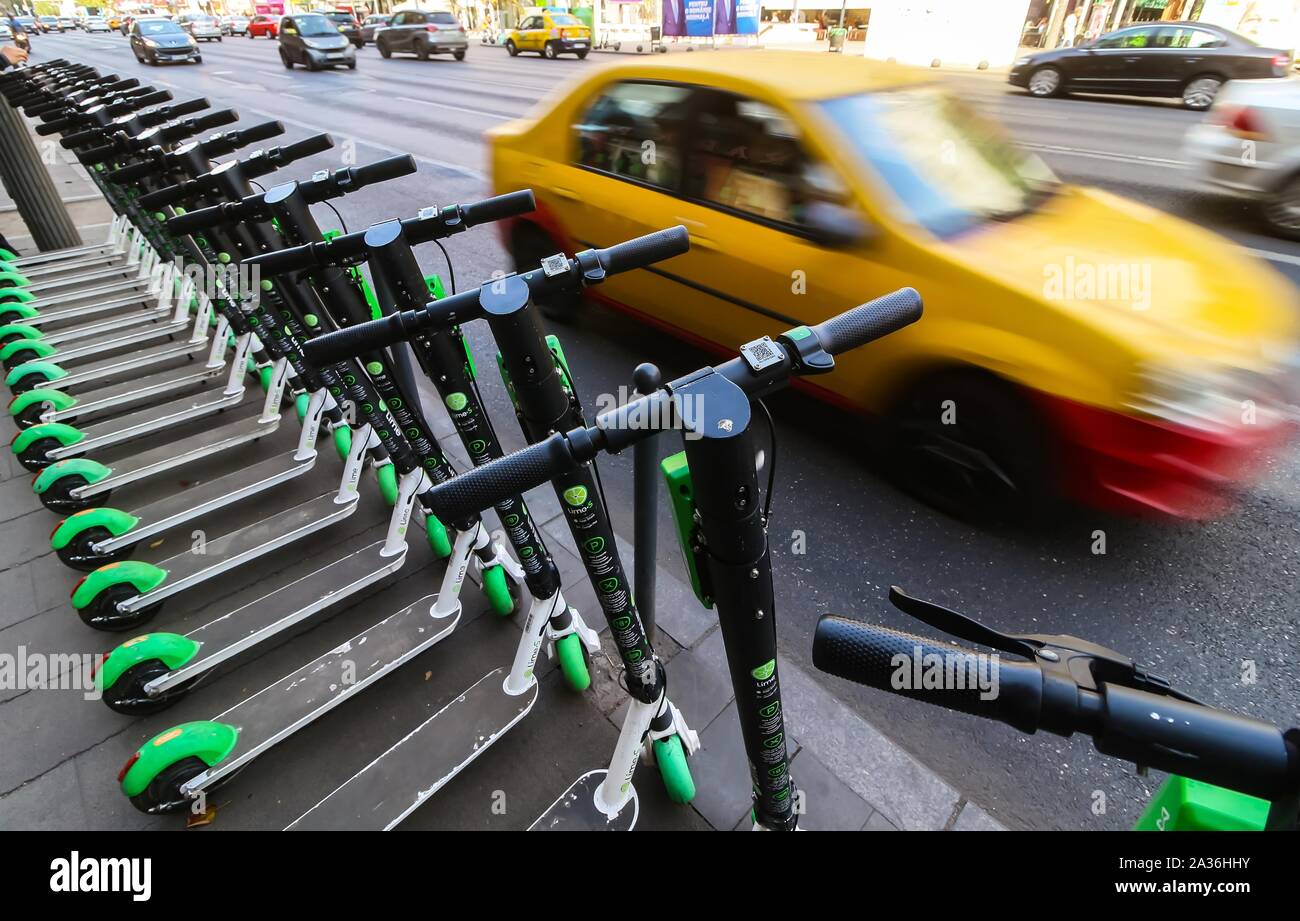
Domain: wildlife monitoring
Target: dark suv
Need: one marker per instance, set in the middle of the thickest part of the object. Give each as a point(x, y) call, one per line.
point(423, 33)
point(348, 26)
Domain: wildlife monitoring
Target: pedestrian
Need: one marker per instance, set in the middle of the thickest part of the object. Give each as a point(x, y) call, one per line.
point(1070, 30)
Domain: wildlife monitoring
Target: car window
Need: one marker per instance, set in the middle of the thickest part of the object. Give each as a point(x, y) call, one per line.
point(561, 19)
point(1183, 37)
point(441, 19)
point(156, 27)
point(748, 156)
point(635, 131)
point(1128, 38)
point(532, 22)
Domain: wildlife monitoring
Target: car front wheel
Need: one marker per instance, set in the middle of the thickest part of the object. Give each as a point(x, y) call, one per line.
point(1281, 210)
point(511, 49)
point(1045, 82)
point(1199, 93)
point(384, 50)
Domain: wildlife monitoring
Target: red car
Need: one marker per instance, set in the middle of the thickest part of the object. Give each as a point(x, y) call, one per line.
point(264, 25)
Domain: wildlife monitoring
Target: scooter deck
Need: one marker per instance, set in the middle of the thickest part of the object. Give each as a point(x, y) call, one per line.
point(396, 783)
point(108, 367)
point(76, 302)
point(127, 335)
point(56, 314)
point(177, 508)
point(150, 420)
point(245, 544)
point(235, 631)
point(85, 251)
point(99, 328)
point(71, 264)
point(124, 393)
point(281, 709)
point(108, 274)
point(174, 454)
point(576, 810)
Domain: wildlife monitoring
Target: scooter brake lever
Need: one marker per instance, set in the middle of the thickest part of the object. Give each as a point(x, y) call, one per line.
point(960, 625)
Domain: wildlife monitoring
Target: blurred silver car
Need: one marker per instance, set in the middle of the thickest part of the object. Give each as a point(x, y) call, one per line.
point(202, 27)
point(374, 24)
point(1248, 146)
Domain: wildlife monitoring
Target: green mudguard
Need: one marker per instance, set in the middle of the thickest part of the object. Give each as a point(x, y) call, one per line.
point(170, 649)
point(55, 398)
point(208, 741)
point(63, 434)
point(115, 521)
point(49, 369)
point(143, 577)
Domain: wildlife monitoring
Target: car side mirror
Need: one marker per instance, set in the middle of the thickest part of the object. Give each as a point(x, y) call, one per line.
point(835, 225)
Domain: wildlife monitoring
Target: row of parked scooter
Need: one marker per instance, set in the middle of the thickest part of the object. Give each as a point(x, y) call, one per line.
point(208, 289)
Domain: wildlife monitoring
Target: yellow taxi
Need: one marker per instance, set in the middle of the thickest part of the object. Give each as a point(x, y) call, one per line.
point(550, 35)
point(1074, 343)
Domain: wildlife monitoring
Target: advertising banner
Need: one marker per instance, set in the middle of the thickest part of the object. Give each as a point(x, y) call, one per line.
point(699, 18)
point(746, 16)
point(674, 18)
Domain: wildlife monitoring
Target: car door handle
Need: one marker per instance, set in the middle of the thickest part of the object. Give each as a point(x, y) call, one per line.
point(567, 193)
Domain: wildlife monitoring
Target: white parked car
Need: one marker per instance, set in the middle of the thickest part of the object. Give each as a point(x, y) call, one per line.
point(97, 24)
point(1248, 146)
point(202, 27)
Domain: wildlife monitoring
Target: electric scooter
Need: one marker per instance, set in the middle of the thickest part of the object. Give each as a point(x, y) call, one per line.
point(541, 385)
point(1230, 772)
point(725, 537)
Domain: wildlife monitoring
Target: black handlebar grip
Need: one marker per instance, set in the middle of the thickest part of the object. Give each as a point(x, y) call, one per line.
point(54, 127)
point(317, 143)
point(152, 98)
point(192, 221)
point(481, 488)
point(148, 167)
point(869, 321)
point(280, 261)
point(181, 109)
point(254, 133)
point(98, 154)
point(81, 138)
point(192, 126)
point(392, 168)
point(152, 201)
point(499, 207)
point(351, 341)
point(118, 86)
point(640, 252)
point(1010, 691)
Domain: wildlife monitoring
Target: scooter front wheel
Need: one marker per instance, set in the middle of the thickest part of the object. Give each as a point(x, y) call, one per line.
point(36, 456)
point(670, 756)
point(102, 612)
point(497, 588)
point(80, 554)
point(58, 496)
point(127, 694)
point(573, 662)
point(163, 794)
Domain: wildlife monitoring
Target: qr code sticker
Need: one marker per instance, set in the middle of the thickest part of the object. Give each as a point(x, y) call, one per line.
point(761, 353)
point(555, 265)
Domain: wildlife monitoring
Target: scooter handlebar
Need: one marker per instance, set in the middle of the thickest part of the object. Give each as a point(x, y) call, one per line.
point(268, 161)
point(871, 655)
point(643, 251)
point(381, 171)
point(169, 113)
point(482, 487)
point(498, 208)
point(233, 140)
point(870, 321)
point(192, 126)
point(153, 163)
point(200, 219)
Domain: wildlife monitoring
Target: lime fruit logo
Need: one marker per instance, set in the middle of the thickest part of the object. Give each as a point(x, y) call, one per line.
point(374, 367)
point(457, 401)
point(763, 672)
point(575, 495)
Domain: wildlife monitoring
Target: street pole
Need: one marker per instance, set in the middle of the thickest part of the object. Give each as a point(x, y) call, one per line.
point(31, 187)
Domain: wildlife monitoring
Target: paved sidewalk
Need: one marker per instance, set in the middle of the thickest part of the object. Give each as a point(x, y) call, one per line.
point(60, 753)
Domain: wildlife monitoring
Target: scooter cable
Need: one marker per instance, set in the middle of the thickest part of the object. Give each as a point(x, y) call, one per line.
point(771, 469)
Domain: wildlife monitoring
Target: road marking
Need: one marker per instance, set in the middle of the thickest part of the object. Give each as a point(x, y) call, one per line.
point(273, 74)
point(221, 73)
point(443, 105)
point(1137, 159)
point(1272, 256)
point(289, 96)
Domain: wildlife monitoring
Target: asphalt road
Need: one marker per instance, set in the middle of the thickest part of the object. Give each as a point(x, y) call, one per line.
point(1193, 601)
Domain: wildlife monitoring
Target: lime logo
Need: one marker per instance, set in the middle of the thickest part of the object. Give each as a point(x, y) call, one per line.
point(770, 710)
point(374, 367)
point(575, 495)
point(622, 623)
point(763, 672)
point(775, 741)
point(608, 585)
point(512, 520)
point(457, 401)
point(311, 320)
point(595, 545)
point(265, 285)
point(477, 446)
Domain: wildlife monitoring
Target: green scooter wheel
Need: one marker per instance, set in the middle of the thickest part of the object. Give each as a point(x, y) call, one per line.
point(342, 440)
point(676, 773)
point(300, 406)
point(573, 662)
point(163, 794)
point(497, 588)
point(439, 540)
point(386, 474)
point(264, 376)
point(80, 554)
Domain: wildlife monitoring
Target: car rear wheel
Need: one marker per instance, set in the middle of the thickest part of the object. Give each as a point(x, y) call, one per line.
point(582, 55)
point(1281, 210)
point(550, 51)
point(384, 50)
point(511, 49)
point(1045, 82)
point(458, 55)
point(422, 51)
point(284, 59)
point(1199, 93)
